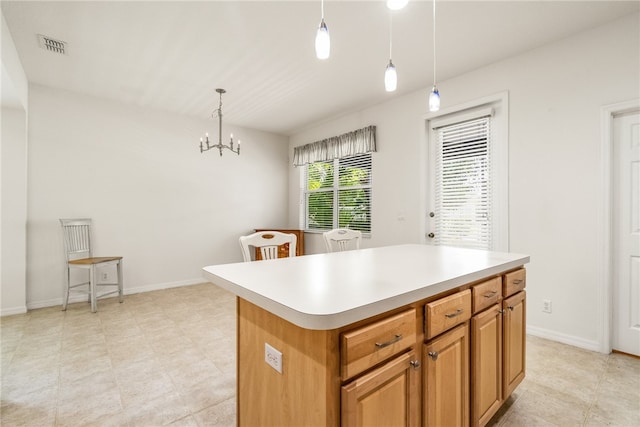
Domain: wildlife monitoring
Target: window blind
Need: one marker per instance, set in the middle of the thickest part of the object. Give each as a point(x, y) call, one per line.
point(339, 199)
point(463, 184)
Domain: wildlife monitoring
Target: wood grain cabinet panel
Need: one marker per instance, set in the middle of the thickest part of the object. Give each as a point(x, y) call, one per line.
point(485, 294)
point(447, 312)
point(514, 282)
point(514, 341)
point(446, 379)
point(367, 346)
point(387, 396)
point(486, 365)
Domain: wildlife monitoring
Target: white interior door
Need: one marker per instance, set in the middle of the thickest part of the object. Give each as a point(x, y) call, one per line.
point(626, 233)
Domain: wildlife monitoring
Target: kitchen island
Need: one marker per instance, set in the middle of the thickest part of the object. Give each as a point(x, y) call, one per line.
point(347, 334)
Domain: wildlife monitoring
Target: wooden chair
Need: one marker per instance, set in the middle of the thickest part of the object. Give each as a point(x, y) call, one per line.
point(79, 255)
point(267, 242)
point(342, 239)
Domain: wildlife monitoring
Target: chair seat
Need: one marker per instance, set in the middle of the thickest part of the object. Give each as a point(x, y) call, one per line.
point(95, 260)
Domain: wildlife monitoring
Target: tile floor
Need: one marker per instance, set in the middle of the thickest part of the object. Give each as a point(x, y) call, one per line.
point(167, 358)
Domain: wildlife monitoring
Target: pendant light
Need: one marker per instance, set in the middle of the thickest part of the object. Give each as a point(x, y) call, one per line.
point(434, 96)
point(396, 4)
point(323, 42)
point(390, 74)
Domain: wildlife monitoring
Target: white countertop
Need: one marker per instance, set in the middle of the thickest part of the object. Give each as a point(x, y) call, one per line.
point(328, 291)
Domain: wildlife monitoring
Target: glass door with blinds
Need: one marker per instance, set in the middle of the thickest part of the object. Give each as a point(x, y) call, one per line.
point(462, 180)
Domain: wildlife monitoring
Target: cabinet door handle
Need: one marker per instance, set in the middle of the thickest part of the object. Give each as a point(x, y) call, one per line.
point(490, 294)
point(415, 364)
point(395, 339)
point(510, 308)
point(517, 281)
point(452, 315)
point(433, 355)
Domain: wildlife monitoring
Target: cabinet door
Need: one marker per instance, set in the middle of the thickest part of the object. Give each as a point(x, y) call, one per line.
point(514, 342)
point(388, 396)
point(446, 379)
point(486, 364)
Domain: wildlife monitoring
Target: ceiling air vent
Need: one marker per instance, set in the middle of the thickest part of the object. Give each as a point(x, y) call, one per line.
point(52, 45)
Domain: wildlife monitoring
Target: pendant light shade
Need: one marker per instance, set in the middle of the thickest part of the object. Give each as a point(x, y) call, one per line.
point(390, 78)
point(396, 4)
point(434, 100)
point(323, 42)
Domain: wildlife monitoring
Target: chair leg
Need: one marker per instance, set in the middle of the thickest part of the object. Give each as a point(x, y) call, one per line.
point(120, 283)
point(92, 288)
point(65, 301)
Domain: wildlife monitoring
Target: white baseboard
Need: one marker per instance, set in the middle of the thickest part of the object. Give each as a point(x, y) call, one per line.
point(564, 338)
point(13, 310)
point(127, 291)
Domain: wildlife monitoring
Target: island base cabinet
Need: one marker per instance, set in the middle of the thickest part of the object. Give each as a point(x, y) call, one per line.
point(446, 379)
point(305, 393)
point(387, 396)
point(486, 365)
point(514, 342)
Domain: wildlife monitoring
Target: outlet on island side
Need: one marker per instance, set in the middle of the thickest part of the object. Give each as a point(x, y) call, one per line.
point(546, 306)
point(273, 357)
point(104, 277)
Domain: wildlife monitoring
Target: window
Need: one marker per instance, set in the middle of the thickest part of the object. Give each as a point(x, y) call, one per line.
point(341, 200)
point(463, 184)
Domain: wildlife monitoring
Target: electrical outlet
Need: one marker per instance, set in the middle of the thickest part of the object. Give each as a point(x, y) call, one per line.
point(546, 306)
point(273, 357)
point(105, 276)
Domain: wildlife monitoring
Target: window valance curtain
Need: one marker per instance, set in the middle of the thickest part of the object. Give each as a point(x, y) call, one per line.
point(359, 141)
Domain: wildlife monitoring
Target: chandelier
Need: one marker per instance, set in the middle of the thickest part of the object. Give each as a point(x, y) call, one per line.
point(204, 142)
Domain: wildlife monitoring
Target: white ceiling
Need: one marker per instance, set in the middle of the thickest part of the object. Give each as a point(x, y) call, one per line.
point(172, 55)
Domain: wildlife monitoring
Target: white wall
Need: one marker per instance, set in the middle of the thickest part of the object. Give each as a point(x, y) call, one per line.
point(13, 178)
point(14, 211)
point(555, 97)
point(154, 198)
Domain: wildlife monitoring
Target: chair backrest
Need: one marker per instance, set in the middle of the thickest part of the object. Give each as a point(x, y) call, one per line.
point(77, 238)
point(267, 242)
point(342, 239)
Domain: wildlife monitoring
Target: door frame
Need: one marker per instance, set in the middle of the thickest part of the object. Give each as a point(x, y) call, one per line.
point(605, 236)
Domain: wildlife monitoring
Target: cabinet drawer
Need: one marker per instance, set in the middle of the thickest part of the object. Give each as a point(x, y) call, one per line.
point(513, 282)
point(486, 294)
point(447, 312)
point(365, 347)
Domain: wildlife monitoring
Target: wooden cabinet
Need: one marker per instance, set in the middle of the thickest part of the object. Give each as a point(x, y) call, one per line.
point(446, 379)
point(514, 309)
point(388, 396)
point(486, 364)
point(369, 345)
point(497, 343)
point(283, 250)
point(434, 362)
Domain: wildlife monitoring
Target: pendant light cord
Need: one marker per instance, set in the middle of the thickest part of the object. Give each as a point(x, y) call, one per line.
point(390, 35)
point(434, 42)
point(322, 9)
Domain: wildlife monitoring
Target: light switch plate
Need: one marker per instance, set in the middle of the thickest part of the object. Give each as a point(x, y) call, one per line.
point(273, 357)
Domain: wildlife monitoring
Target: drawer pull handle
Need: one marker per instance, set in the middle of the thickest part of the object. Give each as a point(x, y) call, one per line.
point(415, 364)
point(452, 315)
point(433, 355)
point(510, 308)
point(490, 294)
point(517, 281)
point(395, 339)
